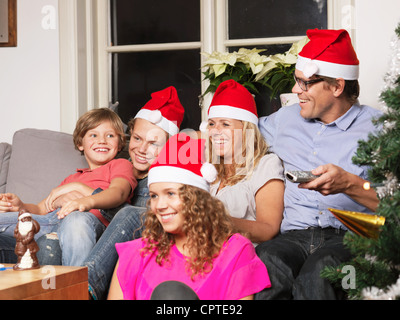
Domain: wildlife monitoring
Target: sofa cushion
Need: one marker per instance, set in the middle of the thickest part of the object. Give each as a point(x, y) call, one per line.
point(40, 160)
point(5, 153)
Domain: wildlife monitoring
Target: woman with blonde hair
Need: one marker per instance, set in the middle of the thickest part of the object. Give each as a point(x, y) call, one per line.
point(250, 180)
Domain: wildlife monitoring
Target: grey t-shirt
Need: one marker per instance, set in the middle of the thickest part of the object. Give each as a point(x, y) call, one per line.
point(239, 199)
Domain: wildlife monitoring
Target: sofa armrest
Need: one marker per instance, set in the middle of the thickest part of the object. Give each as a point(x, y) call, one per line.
point(5, 154)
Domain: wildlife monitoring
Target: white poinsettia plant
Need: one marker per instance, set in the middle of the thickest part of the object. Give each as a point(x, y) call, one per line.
point(252, 69)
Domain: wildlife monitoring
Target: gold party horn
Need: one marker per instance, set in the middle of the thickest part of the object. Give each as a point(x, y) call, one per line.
point(363, 224)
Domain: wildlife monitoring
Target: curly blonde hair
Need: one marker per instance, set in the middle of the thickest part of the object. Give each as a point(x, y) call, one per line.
point(207, 226)
point(254, 148)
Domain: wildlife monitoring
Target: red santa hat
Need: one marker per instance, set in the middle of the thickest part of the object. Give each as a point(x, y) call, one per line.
point(232, 100)
point(182, 161)
point(328, 53)
point(164, 110)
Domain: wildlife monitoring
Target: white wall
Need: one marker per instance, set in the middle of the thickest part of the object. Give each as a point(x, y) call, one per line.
point(29, 73)
point(375, 22)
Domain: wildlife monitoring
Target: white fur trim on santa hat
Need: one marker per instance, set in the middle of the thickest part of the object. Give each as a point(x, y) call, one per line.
point(176, 175)
point(220, 111)
point(327, 69)
point(155, 116)
point(24, 215)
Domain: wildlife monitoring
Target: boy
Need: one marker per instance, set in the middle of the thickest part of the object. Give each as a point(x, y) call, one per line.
point(99, 135)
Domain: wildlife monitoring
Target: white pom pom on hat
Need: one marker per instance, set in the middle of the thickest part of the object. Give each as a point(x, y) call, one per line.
point(155, 116)
point(209, 172)
point(310, 69)
point(203, 126)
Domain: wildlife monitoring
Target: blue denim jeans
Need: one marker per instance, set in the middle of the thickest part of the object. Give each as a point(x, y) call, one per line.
point(7, 247)
point(125, 225)
point(295, 260)
point(78, 233)
point(48, 223)
point(44, 255)
point(50, 252)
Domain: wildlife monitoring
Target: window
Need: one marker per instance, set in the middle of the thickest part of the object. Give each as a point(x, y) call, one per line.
point(272, 25)
point(155, 44)
point(155, 32)
point(270, 19)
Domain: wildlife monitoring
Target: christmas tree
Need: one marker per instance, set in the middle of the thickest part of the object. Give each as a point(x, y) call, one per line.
point(374, 272)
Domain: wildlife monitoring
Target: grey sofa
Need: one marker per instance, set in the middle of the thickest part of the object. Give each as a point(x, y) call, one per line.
point(37, 161)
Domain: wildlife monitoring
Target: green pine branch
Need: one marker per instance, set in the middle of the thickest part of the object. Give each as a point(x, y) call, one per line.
point(377, 261)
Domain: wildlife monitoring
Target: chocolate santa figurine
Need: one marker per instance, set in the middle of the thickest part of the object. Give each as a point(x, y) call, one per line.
point(26, 246)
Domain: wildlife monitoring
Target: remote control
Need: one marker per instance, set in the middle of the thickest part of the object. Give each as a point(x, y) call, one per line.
point(300, 176)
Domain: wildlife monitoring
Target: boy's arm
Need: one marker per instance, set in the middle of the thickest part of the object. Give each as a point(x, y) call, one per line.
point(113, 196)
point(116, 194)
point(63, 199)
point(10, 202)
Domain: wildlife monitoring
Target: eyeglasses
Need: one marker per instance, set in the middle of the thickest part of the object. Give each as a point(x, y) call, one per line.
point(304, 84)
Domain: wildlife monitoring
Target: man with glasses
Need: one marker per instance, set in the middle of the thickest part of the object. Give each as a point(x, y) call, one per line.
point(319, 134)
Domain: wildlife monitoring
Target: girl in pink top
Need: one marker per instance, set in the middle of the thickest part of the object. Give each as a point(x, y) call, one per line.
point(188, 236)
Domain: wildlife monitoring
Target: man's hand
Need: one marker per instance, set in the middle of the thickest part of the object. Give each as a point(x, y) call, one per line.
point(333, 180)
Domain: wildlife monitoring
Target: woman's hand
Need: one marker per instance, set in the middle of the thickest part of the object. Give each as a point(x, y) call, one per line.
point(83, 204)
point(64, 189)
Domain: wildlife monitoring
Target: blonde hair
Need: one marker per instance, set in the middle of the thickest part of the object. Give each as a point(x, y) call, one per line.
point(207, 226)
point(254, 147)
point(92, 119)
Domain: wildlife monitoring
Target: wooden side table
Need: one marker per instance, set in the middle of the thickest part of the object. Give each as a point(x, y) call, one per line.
point(46, 283)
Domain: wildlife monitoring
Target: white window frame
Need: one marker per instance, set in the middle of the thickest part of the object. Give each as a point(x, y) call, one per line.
point(85, 51)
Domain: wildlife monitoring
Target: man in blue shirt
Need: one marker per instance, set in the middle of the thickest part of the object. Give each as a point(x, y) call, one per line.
point(320, 134)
